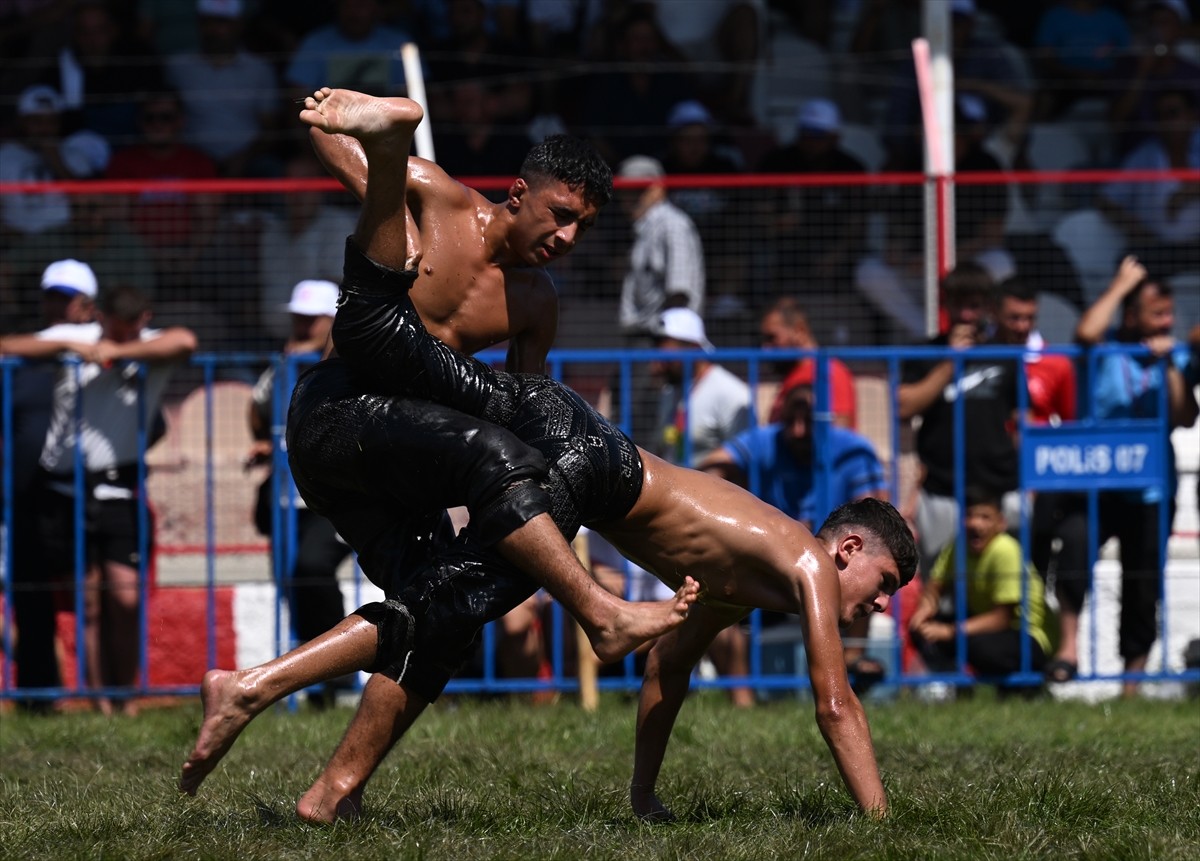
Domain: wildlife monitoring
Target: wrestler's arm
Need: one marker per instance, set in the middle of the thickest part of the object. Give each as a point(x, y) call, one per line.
point(840, 715)
point(665, 684)
point(528, 348)
point(344, 159)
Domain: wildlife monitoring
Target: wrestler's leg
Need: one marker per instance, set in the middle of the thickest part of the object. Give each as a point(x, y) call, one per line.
point(613, 626)
point(384, 714)
point(384, 127)
point(447, 602)
point(231, 698)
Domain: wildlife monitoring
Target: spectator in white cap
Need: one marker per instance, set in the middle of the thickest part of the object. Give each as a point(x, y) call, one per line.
point(702, 405)
point(98, 397)
point(40, 153)
point(312, 588)
point(817, 234)
point(666, 259)
point(666, 270)
point(312, 306)
point(717, 402)
point(68, 292)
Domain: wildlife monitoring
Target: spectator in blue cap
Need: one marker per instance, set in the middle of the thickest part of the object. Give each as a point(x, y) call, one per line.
point(816, 231)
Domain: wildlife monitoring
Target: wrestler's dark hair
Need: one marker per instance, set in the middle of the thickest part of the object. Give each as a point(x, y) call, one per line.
point(572, 161)
point(881, 520)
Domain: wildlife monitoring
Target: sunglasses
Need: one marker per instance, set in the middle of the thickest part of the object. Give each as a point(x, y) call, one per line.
point(160, 116)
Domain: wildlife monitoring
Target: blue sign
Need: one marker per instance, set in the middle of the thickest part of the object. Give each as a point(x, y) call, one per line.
point(1105, 456)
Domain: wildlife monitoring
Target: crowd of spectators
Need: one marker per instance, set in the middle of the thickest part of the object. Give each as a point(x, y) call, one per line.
point(156, 90)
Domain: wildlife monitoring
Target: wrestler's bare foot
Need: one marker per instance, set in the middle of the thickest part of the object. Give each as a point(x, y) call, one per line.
point(226, 713)
point(359, 115)
point(325, 803)
point(647, 807)
point(637, 623)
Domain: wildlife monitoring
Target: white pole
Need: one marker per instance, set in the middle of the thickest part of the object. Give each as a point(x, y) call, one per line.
point(414, 78)
point(935, 79)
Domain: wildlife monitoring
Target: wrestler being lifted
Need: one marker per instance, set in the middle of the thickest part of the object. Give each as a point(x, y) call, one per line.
point(543, 219)
point(384, 128)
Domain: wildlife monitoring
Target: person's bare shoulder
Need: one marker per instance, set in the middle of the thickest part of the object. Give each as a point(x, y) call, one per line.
point(430, 187)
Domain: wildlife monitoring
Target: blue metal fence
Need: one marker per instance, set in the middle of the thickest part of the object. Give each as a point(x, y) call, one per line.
point(1088, 455)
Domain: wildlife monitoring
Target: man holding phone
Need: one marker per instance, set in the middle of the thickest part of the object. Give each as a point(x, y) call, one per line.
point(989, 391)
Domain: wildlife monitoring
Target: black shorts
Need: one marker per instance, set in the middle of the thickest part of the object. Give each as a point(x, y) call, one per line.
point(110, 525)
point(383, 470)
point(595, 471)
point(367, 455)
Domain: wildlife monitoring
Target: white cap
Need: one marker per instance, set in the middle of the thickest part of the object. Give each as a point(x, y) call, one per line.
point(688, 113)
point(71, 277)
point(684, 324)
point(314, 299)
point(39, 99)
point(640, 167)
point(819, 115)
point(219, 8)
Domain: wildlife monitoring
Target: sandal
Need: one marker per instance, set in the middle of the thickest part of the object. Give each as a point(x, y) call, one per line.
point(867, 672)
point(1059, 671)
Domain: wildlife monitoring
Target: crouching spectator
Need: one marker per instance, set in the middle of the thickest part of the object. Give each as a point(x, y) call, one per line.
point(996, 619)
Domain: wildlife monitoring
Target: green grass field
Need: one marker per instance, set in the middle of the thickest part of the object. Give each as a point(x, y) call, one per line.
point(973, 780)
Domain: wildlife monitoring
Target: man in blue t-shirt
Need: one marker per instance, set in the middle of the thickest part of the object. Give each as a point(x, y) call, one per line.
point(1130, 385)
point(778, 464)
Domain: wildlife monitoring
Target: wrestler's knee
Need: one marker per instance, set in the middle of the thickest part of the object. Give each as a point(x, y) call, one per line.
point(503, 477)
point(395, 635)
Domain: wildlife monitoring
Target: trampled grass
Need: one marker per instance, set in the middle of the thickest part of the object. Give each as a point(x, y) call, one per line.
point(981, 779)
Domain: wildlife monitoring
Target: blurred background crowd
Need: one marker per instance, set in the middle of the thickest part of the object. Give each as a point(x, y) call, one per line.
point(151, 89)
